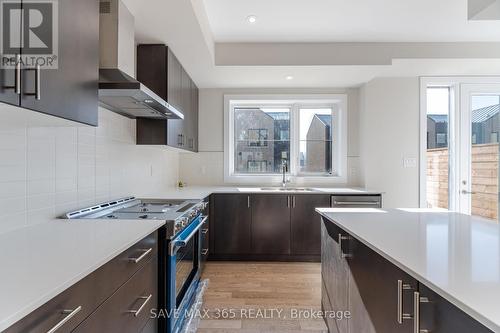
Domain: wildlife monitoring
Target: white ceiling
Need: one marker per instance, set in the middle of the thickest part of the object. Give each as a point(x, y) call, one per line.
point(346, 20)
point(187, 28)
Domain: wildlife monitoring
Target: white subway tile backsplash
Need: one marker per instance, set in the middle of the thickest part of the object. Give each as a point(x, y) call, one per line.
point(37, 202)
point(43, 186)
point(12, 189)
point(49, 168)
point(9, 173)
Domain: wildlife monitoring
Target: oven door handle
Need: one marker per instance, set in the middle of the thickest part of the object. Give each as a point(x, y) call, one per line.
point(177, 243)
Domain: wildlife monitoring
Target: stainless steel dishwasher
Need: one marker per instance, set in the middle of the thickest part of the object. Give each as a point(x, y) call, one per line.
point(356, 201)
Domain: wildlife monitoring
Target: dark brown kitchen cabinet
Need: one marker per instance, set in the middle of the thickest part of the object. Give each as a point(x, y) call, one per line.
point(160, 70)
point(69, 91)
point(306, 223)
point(129, 309)
point(271, 224)
point(8, 85)
point(362, 282)
point(439, 315)
point(83, 300)
point(379, 296)
point(334, 274)
point(284, 227)
point(373, 297)
point(232, 224)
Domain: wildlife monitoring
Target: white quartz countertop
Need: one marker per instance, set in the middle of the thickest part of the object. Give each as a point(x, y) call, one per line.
point(200, 192)
point(41, 261)
point(455, 255)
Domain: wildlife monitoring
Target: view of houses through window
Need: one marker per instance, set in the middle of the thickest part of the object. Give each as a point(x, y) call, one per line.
point(262, 140)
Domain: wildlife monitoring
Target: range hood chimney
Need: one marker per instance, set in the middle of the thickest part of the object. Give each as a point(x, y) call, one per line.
point(119, 91)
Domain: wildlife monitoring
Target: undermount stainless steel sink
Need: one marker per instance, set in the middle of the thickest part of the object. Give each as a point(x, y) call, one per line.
point(287, 189)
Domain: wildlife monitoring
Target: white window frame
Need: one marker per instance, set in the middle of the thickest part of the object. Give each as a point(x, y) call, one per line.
point(338, 103)
point(455, 84)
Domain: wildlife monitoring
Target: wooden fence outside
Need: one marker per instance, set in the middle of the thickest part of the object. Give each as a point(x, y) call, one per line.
point(484, 179)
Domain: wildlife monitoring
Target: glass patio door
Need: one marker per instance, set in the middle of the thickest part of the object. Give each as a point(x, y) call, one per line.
point(479, 150)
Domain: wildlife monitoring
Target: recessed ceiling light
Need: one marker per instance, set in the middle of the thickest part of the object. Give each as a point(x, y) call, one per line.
point(252, 19)
point(289, 77)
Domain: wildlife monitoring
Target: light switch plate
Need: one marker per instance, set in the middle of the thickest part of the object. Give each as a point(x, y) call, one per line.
point(409, 162)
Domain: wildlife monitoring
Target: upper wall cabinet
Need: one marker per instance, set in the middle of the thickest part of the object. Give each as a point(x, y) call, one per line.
point(59, 75)
point(159, 69)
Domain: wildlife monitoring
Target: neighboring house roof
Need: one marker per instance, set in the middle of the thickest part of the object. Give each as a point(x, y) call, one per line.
point(324, 118)
point(483, 114)
point(278, 115)
point(438, 118)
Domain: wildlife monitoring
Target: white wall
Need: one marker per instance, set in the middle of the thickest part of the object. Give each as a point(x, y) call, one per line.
point(389, 126)
point(207, 167)
point(49, 166)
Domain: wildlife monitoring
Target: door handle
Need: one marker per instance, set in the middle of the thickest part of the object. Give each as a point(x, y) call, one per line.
point(142, 256)
point(400, 315)
point(38, 88)
point(468, 192)
point(70, 314)
point(139, 310)
point(340, 239)
point(416, 308)
point(17, 77)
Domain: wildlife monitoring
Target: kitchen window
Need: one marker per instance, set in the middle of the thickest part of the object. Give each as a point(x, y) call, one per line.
point(307, 133)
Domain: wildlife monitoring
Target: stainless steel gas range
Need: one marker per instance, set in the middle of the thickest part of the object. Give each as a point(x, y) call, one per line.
point(179, 258)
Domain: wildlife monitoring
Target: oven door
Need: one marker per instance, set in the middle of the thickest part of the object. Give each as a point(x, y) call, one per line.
point(184, 254)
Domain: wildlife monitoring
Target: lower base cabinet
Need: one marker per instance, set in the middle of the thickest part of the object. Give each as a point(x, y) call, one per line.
point(270, 226)
point(114, 298)
point(129, 309)
point(379, 296)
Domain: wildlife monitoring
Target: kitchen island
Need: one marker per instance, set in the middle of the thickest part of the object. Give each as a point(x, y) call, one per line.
point(410, 270)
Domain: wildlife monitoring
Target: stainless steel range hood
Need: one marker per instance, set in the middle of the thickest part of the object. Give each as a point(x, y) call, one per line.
point(119, 91)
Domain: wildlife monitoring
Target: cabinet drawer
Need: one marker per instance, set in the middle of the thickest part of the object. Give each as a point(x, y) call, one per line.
point(112, 275)
point(128, 310)
point(79, 298)
point(89, 292)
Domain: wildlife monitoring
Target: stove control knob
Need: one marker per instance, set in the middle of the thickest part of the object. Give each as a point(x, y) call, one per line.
point(185, 221)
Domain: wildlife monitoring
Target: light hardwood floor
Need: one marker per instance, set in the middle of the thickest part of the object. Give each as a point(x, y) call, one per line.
point(262, 297)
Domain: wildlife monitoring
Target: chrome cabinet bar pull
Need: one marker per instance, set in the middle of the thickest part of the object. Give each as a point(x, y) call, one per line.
point(341, 238)
point(142, 256)
point(17, 85)
point(204, 231)
point(288, 201)
point(138, 311)
point(38, 88)
point(248, 201)
point(204, 252)
point(416, 308)
point(293, 201)
point(17, 76)
point(71, 314)
point(361, 203)
point(400, 315)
